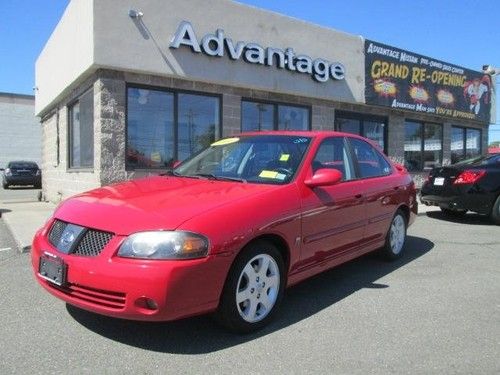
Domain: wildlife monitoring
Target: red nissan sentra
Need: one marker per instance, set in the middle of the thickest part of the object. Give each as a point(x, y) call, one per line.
point(227, 230)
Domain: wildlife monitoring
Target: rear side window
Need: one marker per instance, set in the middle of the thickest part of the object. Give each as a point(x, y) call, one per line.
point(370, 162)
point(332, 154)
point(23, 165)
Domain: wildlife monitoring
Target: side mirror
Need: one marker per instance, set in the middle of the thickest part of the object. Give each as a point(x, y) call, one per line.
point(324, 177)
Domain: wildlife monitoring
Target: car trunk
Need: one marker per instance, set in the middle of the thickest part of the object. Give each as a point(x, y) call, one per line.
point(440, 181)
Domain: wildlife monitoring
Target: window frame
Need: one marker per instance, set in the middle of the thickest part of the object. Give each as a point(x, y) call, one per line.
point(422, 142)
point(175, 93)
point(69, 133)
point(276, 105)
point(362, 117)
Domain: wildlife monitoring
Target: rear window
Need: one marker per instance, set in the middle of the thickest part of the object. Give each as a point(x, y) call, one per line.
point(481, 160)
point(23, 165)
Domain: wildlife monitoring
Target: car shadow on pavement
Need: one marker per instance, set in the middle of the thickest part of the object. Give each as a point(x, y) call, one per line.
point(469, 218)
point(201, 334)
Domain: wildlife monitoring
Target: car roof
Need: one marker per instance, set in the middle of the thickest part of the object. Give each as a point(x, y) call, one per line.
point(302, 133)
point(22, 162)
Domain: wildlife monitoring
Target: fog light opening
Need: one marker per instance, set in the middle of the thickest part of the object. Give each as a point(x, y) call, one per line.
point(145, 303)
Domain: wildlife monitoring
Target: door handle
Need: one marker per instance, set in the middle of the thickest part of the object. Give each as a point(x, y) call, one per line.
point(358, 196)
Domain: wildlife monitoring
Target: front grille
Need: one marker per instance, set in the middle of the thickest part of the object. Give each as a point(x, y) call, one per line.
point(90, 244)
point(56, 232)
point(96, 297)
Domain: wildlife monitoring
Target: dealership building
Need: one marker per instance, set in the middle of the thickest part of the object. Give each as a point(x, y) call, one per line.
point(124, 89)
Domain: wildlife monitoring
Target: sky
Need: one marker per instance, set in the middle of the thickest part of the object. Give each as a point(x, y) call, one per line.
point(461, 32)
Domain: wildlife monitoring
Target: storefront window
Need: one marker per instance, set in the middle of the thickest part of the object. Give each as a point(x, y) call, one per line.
point(465, 143)
point(473, 143)
point(366, 126)
point(457, 144)
point(198, 123)
point(81, 132)
point(413, 146)
point(256, 116)
point(152, 126)
point(433, 145)
point(423, 146)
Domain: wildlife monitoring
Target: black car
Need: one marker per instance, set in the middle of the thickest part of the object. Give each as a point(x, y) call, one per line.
point(22, 173)
point(471, 185)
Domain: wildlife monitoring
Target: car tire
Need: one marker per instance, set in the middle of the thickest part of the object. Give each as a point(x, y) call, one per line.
point(495, 212)
point(396, 237)
point(5, 186)
point(454, 213)
point(252, 294)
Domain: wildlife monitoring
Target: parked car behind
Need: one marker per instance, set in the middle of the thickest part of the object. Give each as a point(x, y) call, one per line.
point(227, 230)
point(471, 185)
point(22, 173)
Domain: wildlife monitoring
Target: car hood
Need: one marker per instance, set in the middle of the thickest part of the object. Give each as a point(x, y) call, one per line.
point(152, 203)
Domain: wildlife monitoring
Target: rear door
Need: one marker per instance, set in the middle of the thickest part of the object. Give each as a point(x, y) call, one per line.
point(380, 185)
point(333, 217)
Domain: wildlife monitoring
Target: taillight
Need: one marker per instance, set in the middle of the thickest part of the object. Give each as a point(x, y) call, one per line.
point(469, 177)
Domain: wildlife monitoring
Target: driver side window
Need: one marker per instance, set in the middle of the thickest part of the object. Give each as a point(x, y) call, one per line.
point(332, 154)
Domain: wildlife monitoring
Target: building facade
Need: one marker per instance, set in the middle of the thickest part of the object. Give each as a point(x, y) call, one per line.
point(126, 89)
point(20, 131)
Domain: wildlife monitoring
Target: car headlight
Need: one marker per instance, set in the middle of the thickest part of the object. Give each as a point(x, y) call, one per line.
point(164, 245)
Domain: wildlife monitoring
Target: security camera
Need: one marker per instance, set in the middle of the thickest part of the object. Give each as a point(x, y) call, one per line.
point(488, 69)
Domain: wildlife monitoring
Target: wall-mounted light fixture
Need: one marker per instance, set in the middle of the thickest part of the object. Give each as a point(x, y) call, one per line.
point(132, 13)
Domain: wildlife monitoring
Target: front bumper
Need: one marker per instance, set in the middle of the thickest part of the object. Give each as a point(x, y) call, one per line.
point(117, 287)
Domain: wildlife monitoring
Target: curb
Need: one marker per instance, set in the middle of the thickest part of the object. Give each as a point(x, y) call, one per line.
point(21, 248)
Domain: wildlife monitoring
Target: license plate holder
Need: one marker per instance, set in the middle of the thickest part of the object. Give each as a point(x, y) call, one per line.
point(439, 181)
point(53, 269)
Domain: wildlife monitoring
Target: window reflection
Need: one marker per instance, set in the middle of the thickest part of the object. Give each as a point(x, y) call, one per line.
point(81, 129)
point(150, 128)
point(365, 126)
point(293, 118)
point(256, 116)
point(413, 146)
point(198, 123)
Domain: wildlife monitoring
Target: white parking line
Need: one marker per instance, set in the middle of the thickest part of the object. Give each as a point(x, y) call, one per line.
point(6, 249)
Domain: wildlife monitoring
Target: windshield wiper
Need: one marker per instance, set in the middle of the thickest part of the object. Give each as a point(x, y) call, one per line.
point(212, 176)
point(171, 173)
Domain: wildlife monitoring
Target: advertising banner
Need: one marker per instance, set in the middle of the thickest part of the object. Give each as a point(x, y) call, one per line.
point(405, 80)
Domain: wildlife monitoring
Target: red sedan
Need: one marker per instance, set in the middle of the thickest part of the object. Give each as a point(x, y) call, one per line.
point(227, 230)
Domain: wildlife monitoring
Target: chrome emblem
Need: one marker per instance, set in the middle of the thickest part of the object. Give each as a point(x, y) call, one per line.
point(68, 237)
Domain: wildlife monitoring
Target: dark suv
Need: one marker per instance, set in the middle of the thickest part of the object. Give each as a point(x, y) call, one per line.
point(22, 173)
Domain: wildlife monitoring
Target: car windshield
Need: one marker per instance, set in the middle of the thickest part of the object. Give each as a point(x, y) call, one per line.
point(23, 165)
point(266, 159)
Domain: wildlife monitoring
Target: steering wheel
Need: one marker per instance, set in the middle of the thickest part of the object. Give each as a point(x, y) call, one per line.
point(285, 171)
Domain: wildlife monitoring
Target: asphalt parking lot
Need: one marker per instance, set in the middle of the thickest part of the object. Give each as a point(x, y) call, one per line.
point(436, 310)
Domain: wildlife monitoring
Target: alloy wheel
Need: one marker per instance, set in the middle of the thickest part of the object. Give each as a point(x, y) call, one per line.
point(257, 288)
